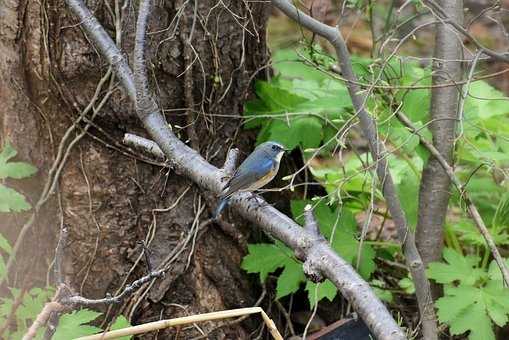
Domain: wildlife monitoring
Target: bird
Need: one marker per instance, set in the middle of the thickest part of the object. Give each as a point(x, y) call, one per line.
point(258, 169)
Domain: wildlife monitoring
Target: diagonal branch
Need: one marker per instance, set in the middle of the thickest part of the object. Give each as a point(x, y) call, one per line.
point(443, 15)
point(406, 236)
point(189, 163)
point(472, 209)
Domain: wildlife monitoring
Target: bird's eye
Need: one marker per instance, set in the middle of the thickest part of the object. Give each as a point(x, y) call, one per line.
point(274, 147)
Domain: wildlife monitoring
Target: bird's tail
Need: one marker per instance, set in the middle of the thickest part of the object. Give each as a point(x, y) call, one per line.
point(223, 203)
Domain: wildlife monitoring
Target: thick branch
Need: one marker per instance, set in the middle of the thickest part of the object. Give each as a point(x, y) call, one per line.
point(188, 162)
point(406, 236)
point(435, 184)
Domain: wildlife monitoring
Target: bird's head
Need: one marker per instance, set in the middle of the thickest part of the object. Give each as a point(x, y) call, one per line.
point(272, 149)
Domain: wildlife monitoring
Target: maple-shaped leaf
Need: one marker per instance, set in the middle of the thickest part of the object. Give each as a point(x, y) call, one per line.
point(318, 291)
point(266, 258)
point(474, 304)
point(74, 325)
point(459, 268)
point(290, 279)
point(465, 308)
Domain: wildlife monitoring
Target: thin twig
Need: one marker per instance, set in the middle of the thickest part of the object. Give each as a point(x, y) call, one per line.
point(367, 123)
point(471, 207)
point(450, 21)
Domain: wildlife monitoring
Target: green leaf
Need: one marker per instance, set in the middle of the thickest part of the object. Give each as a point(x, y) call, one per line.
point(474, 305)
point(290, 279)
point(277, 99)
point(7, 153)
point(264, 258)
point(459, 268)
point(11, 200)
point(13, 169)
point(289, 64)
point(407, 285)
point(484, 101)
point(4, 244)
point(17, 170)
point(464, 308)
point(121, 322)
point(383, 294)
point(380, 289)
point(73, 325)
point(496, 299)
point(304, 131)
point(494, 272)
point(319, 291)
point(469, 234)
point(408, 192)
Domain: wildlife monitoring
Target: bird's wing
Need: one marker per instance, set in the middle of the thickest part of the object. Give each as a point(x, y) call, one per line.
point(250, 171)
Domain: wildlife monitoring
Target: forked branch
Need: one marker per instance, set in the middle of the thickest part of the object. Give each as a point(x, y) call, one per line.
point(189, 163)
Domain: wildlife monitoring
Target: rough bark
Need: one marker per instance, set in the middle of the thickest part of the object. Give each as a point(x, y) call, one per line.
point(435, 184)
point(49, 72)
point(191, 164)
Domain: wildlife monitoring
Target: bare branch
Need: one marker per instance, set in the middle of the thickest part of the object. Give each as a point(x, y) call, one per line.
point(406, 236)
point(310, 247)
point(189, 163)
point(472, 209)
point(231, 161)
point(59, 254)
point(106, 46)
point(143, 144)
point(443, 15)
point(311, 263)
point(128, 291)
point(310, 223)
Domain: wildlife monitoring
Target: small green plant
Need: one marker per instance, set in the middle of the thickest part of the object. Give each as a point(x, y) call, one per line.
point(474, 297)
point(339, 228)
point(22, 308)
point(76, 324)
point(10, 199)
point(309, 110)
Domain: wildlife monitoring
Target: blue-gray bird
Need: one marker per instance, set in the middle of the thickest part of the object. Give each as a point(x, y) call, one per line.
point(258, 169)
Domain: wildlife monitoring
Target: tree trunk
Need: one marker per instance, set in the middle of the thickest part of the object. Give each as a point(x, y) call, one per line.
point(201, 62)
point(435, 184)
